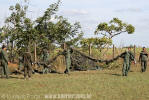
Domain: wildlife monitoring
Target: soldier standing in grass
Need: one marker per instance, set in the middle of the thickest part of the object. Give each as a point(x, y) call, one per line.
point(4, 62)
point(45, 58)
point(27, 61)
point(127, 56)
point(68, 60)
point(143, 59)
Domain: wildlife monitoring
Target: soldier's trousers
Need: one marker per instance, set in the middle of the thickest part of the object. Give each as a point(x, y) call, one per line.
point(129, 66)
point(27, 71)
point(5, 70)
point(143, 66)
point(125, 69)
point(68, 64)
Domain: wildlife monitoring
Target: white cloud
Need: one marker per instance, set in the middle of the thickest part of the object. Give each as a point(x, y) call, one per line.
point(74, 12)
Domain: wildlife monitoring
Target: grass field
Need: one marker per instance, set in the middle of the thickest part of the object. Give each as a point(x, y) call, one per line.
point(98, 85)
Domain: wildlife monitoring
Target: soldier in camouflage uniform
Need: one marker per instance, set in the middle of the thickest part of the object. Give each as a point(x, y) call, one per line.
point(45, 58)
point(27, 61)
point(143, 59)
point(68, 61)
point(127, 56)
point(4, 62)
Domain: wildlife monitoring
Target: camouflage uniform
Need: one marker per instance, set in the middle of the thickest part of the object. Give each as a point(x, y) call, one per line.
point(45, 58)
point(143, 58)
point(4, 63)
point(68, 61)
point(27, 61)
point(126, 57)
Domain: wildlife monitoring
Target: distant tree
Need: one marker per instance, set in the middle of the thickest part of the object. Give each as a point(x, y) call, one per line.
point(114, 28)
point(99, 43)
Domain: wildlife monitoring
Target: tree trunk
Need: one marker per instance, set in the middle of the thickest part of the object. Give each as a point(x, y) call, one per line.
point(63, 46)
point(134, 51)
point(29, 47)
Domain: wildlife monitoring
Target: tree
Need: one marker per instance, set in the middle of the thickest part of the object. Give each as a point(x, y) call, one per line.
point(20, 30)
point(28, 35)
point(114, 28)
point(18, 25)
point(99, 43)
point(68, 33)
point(58, 31)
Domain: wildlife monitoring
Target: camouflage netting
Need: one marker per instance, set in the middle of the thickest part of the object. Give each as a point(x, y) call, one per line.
point(80, 62)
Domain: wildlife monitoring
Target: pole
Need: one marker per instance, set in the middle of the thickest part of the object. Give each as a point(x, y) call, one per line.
point(135, 51)
point(90, 49)
point(113, 51)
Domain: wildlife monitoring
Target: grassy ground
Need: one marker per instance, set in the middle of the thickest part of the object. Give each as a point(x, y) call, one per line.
point(99, 85)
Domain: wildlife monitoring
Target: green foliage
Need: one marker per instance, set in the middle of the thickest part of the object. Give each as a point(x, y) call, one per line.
point(19, 26)
point(130, 29)
point(114, 28)
point(21, 33)
point(4, 33)
point(60, 31)
point(96, 42)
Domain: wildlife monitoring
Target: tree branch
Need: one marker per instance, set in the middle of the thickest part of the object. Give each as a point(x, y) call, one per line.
point(117, 34)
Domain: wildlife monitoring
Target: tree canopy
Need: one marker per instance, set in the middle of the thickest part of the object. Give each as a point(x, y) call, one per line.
point(114, 28)
point(23, 32)
point(95, 42)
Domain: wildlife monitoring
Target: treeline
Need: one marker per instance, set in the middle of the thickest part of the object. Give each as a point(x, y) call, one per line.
point(22, 34)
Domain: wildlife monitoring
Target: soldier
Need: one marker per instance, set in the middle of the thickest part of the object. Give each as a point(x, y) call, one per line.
point(27, 61)
point(67, 58)
point(45, 58)
point(126, 65)
point(4, 62)
point(68, 61)
point(143, 59)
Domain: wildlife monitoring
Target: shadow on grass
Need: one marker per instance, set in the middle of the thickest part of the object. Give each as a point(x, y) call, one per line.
point(114, 74)
point(14, 77)
point(131, 71)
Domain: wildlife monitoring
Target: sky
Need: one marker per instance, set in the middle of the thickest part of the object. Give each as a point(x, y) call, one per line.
point(92, 12)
